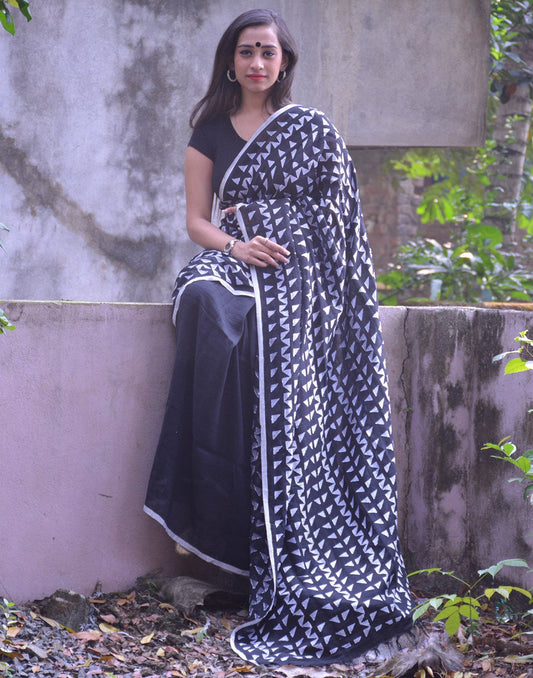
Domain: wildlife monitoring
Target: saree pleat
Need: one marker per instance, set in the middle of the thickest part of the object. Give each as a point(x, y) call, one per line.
point(327, 578)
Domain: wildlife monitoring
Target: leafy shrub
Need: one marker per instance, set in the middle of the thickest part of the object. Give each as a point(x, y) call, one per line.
point(457, 609)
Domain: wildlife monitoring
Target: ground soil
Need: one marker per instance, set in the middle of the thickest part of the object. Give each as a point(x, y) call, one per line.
point(136, 634)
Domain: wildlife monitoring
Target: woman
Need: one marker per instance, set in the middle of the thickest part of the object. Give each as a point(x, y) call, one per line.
point(278, 411)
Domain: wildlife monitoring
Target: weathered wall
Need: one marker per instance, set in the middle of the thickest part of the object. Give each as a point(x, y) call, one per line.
point(82, 395)
point(448, 400)
point(93, 120)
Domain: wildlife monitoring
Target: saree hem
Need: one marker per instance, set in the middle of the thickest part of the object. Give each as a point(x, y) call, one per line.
point(190, 547)
point(359, 651)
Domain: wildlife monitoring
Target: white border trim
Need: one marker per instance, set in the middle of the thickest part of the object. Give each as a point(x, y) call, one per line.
point(262, 424)
point(224, 284)
point(192, 549)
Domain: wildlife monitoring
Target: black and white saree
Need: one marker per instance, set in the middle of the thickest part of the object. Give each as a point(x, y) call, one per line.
point(327, 578)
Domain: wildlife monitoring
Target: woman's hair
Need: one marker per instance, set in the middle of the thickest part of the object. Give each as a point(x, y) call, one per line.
point(223, 96)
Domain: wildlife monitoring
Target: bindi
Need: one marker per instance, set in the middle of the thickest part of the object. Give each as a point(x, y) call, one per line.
point(258, 44)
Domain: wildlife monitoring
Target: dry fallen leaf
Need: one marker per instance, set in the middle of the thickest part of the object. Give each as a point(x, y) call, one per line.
point(87, 636)
point(128, 599)
point(243, 669)
point(109, 618)
point(147, 639)
point(107, 628)
point(120, 657)
point(50, 622)
point(518, 659)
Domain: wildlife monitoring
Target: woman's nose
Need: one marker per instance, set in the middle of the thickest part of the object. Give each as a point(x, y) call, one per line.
point(257, 62)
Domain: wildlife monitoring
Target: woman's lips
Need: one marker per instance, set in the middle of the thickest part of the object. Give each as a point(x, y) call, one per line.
point(254, 76)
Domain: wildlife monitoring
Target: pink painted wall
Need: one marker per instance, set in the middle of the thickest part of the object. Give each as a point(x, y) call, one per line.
point(82, 393)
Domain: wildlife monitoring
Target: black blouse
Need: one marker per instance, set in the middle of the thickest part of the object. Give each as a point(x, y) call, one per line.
point(217, 140)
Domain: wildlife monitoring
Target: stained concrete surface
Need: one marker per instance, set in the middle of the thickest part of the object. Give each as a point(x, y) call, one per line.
point(82, 398)
point(95, 99)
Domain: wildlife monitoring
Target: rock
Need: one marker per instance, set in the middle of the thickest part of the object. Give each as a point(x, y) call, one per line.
point(67, 608)
point(186, 593)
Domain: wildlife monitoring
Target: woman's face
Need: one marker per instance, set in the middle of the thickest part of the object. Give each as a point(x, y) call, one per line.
point(258, 58)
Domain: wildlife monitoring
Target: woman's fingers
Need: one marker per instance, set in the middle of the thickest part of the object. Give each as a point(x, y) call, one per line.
point(268, 251)
point(261, 252)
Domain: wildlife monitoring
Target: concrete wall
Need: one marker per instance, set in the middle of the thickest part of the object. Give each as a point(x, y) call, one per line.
point(82, 394)
point(95, 99)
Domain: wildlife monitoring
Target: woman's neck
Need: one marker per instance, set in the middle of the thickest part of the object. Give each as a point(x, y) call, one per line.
point(251, 114)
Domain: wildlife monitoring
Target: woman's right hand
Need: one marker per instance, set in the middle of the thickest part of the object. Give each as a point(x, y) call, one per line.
point(260, 251)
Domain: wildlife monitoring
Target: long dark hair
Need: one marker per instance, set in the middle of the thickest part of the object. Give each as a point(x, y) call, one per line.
point(223, 96)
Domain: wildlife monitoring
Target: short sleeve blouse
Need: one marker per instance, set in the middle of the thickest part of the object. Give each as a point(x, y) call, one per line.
point(217, 140)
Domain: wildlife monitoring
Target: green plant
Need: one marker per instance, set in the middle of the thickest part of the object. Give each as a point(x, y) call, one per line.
point(6, 16)
point(472, 266)
point(7, 619)
point(524, 462)
point(5, 323)
point(507, 450)
point(476, 194)
point(524, 362)
point(454, 609)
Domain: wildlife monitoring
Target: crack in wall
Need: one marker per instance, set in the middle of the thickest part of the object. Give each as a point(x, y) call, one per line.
point(407, 424)
point(142, 257)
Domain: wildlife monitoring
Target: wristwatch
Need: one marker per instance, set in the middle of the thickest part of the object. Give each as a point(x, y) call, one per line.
point(228, 247)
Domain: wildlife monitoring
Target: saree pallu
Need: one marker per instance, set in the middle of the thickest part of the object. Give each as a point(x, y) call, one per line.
point(327, 578)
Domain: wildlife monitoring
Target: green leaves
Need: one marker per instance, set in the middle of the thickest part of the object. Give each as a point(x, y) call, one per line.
point(456, 609)
point(505, 592)
point(463, 188)
point(510, 562)
point(6, 16)
point(472, 266)
point(525, 360)
point(507, 449)
point(5, 323)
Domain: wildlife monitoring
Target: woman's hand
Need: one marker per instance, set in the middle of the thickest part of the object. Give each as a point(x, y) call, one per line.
point(260, 251)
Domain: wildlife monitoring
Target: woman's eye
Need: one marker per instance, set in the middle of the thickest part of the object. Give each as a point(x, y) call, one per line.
point(245, 52)
point(269, 53)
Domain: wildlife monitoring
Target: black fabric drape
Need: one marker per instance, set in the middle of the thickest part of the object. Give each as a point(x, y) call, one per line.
point(200, 482)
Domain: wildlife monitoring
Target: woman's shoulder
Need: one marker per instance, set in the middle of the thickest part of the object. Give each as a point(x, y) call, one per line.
point(211, 127)
point(205, 135)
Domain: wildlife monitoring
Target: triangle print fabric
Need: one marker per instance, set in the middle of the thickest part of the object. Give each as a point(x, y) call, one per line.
point(327, 578)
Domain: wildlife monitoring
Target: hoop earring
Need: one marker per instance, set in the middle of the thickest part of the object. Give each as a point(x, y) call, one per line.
point(228, 76)
point(283, 75)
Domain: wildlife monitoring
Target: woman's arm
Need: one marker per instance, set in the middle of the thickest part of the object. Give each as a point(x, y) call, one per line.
point(199, 195)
